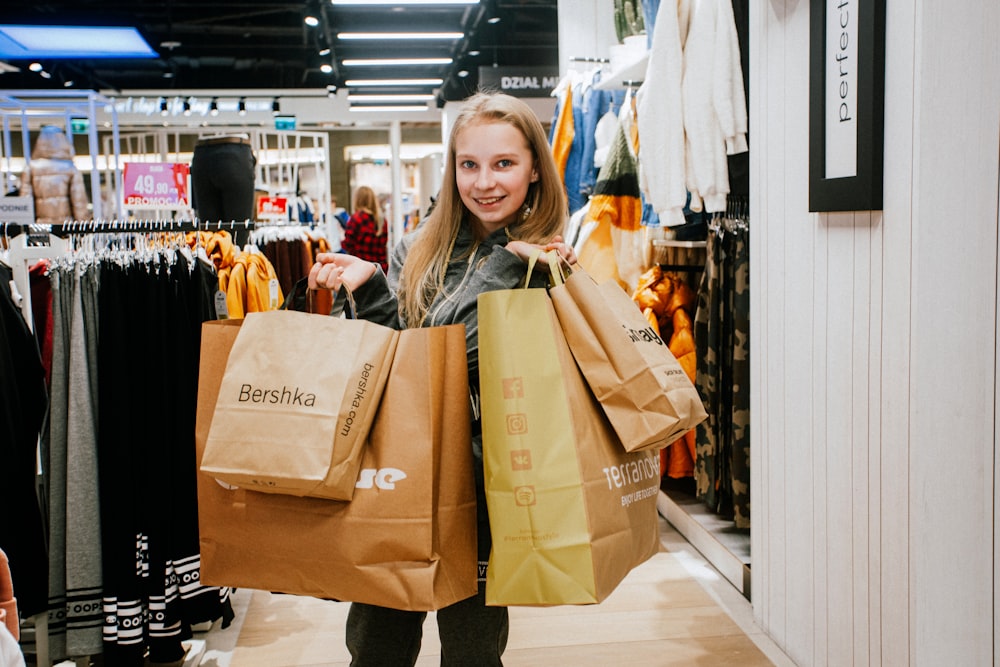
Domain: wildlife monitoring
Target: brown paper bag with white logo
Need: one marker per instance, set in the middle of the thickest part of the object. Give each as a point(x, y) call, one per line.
point(407, 540)
point(296, 402)
point(571, 512)
point(641, 386)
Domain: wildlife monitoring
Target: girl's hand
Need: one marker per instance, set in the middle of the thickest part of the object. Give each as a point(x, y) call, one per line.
point(565, 250)
point(333, 269)
point(524, 250)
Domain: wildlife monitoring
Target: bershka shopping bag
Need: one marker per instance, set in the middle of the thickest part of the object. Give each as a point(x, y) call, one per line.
point(571, 512)
point(296, 402)
point(641, 386)
point(407, 540)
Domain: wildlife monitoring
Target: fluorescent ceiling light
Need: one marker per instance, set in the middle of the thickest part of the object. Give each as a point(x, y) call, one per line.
point(390, 108)
point(400, 35)
point(404, 2)
point(358, 83)
point(377, 62)
point(390, 98)
point(64, 41)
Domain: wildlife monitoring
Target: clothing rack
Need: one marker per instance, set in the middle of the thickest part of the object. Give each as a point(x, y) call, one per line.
point(586, 59)
point(63, 229)
point(29, 242)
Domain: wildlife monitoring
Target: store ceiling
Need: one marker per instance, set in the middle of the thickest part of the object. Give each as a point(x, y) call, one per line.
point(255, 44)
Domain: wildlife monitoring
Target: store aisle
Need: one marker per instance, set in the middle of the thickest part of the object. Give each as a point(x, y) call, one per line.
point(672, 610)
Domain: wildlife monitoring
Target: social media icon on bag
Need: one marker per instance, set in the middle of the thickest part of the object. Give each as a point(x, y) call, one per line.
point(517, 423)
point(520, 459)
point(513, 388)
point(524, 495)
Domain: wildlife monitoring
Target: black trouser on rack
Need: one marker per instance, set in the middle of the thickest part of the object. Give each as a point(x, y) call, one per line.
point(222, 183)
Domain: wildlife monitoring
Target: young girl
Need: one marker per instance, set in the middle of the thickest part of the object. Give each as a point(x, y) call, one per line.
point(365, 233)
point(501, 199)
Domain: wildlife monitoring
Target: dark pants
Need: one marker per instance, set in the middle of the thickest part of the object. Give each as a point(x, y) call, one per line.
point(222, 183)
point(472, 634)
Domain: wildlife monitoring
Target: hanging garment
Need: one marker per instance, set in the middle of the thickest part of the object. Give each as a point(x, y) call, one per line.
point(596, 104)
point(692, 109)
point(661, 122)
point(83, 526)
point(708, 341)
point(738, 346)
point(152, 591)
point(722, 462)
point(611, 252)
point(41, 308)
point(715, 111)
point(291, 250)
point(23, 404)
point(670, 304)
point(249, 289)
point(54, 457)
point(563, 132)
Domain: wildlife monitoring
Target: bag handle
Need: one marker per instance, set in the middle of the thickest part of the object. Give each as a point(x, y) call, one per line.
point(343, 302)
point(300, 298)
point(555, 266)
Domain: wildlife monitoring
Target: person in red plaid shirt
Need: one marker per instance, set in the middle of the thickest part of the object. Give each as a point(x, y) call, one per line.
point(365, 234)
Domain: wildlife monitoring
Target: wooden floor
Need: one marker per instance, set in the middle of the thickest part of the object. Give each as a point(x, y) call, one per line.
point(674, 609)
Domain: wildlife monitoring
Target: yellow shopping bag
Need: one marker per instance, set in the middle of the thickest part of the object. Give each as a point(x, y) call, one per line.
point(571, 512)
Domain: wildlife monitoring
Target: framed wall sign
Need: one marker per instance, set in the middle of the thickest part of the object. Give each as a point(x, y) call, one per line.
point(846, 104)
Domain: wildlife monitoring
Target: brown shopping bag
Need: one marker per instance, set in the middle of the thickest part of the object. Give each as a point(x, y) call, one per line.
point(297, 399)
point(407, 540)
point(641, 386)
point(571, 512)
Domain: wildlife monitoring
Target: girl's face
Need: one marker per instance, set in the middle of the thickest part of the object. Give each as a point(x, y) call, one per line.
point(493, 169)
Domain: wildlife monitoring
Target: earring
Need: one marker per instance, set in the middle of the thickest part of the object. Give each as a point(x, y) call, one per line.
point(525, 211)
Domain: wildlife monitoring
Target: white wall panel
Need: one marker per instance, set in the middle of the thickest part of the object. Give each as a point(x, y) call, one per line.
point(835, 254)
point(891, 546)
point(762, 490)
point(874, 354)
point(861, 445)
point(868, 632)
point(954, 302)
point(996, 465)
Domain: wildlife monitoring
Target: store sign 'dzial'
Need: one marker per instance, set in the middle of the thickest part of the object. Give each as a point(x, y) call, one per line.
point(520, 81)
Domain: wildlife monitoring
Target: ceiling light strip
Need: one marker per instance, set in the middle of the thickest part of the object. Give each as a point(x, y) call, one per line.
point(387, 62)
point(390, 98)
point(358, 83)
point(390, 107)
point(404, 2)
point(400, 35)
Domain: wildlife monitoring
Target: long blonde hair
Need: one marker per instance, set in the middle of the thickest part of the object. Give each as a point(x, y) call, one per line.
point(365, 200)
point(421, 278)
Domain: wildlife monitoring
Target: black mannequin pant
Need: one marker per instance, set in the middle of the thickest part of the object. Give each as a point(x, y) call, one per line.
point(222, 183)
